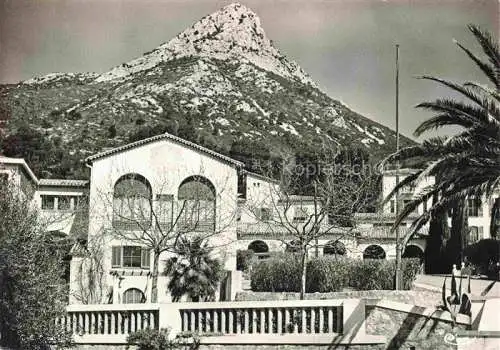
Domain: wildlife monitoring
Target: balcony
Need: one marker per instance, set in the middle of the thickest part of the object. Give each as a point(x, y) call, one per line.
point(381, 217)
point(272, 230)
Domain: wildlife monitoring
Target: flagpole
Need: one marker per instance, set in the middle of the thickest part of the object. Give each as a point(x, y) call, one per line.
point(398, 243)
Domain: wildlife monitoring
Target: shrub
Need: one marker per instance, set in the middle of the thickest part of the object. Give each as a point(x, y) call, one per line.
point(244, 259)
point(371, 274)
point(152, 339)
point(281, 273)
point(484, 255)
point(326, 274)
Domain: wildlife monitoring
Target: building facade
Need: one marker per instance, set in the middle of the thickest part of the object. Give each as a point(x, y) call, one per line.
point(165, 186)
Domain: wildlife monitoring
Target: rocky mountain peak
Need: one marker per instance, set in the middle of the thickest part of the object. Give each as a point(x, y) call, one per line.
point(232, 33)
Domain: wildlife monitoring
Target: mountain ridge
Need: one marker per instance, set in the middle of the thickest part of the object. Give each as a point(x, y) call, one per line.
point(220, 83)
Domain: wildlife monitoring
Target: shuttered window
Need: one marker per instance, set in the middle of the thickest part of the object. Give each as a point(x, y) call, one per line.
point(116, 259)
point(145, 258)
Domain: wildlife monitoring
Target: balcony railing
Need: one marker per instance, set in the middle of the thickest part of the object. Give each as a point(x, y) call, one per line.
point(313, 317)
point(273, 229)
point(108, 321)
point(112, 323)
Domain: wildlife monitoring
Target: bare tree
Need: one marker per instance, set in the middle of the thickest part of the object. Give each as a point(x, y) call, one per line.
point(311, 201)
point(159, 223)
point(90, 281)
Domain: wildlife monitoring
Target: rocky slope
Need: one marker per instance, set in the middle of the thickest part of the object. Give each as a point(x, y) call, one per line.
point(220, 83)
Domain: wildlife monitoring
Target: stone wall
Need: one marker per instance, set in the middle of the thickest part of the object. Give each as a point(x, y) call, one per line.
point(406, 330)
point(288, 347)
point(421, 298)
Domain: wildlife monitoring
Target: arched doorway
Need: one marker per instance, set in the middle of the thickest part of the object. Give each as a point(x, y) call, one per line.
point(133, 296)
point(413, 251)
point(374, 252)
point(260, 249)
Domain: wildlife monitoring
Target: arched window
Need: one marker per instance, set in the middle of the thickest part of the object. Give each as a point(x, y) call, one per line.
point(293, 247)
point(132, 202)
point(196, 204)
point(258, 247)
point(374, 252)
point(133, 296)
point(334, 248)
point(413, 251)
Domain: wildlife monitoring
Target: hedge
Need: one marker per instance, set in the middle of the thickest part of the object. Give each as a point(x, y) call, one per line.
point(327, 274)
point(244, 259)
point(484, 256)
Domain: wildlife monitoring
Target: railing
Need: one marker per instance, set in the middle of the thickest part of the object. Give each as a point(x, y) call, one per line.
point(273, 229)
point(109, 320)
point(248, 322)
point(277, 317)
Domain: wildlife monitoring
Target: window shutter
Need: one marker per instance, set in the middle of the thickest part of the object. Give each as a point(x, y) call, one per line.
point(116, 257)
point(145, 258)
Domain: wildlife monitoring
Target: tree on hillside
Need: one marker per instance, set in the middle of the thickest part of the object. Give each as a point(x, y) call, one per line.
point(160, 223)
point(466, 164)
point(32, 289)
point(330, 194)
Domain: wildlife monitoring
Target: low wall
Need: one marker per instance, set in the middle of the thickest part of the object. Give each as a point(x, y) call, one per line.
point(420, 298)
point(406, 326)
point(362, 324)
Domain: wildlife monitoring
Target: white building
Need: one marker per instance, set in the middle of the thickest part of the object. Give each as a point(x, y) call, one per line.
point(164, 185)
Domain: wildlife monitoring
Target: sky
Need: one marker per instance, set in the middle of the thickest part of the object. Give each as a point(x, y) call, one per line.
point(346, 46)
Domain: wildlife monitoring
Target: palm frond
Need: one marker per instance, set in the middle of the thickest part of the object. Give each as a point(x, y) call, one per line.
point(489, 70)
point(488, 44)
point(467, 92)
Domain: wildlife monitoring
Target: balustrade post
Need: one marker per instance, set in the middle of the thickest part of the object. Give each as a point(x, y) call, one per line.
point(200, 321)
point(192, 315)
point(231, 322)
point(246, 313)
point(321, 320)
point(330, 321)
point(279, 321)
point(312, 320)
point(270, 320)
point(223, 328)
point(215, 318)
point(106, 323)
point(262, 321)
point(304, 321)
point(254, 321)
point(287, 318)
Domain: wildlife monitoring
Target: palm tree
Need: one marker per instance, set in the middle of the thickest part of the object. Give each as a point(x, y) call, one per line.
point(466, 164)
point(193, 272)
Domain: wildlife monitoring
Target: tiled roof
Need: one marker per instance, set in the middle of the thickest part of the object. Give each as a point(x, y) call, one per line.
point(63, 182)
point(162, 137)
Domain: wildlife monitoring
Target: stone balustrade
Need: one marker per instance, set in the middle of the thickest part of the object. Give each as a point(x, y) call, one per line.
point(244, 322)
point(312, 317)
